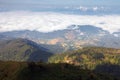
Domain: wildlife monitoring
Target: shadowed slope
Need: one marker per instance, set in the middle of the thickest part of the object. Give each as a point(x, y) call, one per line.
point(22, 50)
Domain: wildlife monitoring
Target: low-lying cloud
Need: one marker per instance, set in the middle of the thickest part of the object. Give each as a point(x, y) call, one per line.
point(47, 22)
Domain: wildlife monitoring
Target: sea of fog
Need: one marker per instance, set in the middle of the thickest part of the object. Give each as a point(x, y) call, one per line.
point(51, 19)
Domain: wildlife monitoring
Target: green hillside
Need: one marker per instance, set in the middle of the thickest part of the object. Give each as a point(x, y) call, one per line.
point(22, 50)
point(104, 60)
point(41, 71)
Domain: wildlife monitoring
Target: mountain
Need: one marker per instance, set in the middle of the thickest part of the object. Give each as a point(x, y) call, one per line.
point(104, 60)
point(74, 37)
point(22, 50)
point(41, 71)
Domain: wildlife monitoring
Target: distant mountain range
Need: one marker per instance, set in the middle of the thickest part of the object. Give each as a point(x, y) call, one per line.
point(74, 37)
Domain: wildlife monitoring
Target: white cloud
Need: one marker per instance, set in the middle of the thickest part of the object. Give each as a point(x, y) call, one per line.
point(94, 8)
point(82, 8)
point(46, 22)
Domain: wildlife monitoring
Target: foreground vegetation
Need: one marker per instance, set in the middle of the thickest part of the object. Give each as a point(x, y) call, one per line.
point(41, 71)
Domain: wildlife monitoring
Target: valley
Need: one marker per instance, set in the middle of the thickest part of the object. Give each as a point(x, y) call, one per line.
point(74, 37)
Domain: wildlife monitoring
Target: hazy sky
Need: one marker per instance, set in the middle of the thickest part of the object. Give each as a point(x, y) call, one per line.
point(32, 4)
point(60, 2)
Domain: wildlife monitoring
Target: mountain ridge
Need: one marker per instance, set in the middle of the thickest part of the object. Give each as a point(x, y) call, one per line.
point(22, 50)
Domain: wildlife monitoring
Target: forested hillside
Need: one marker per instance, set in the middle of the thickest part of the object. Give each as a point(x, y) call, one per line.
point(22, 50)
point(105, 60)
